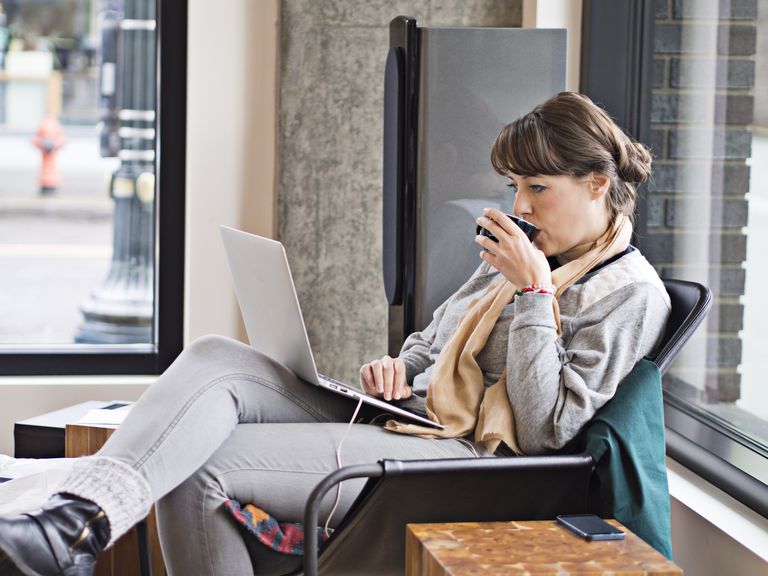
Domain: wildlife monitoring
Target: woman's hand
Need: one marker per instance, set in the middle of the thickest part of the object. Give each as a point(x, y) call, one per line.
point(385, 378)
point(514, 255)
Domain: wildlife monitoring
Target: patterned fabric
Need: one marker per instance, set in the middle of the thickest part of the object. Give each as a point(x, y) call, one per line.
point(283, 537)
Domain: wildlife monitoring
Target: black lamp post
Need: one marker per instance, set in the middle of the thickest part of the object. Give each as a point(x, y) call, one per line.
point(121, 311)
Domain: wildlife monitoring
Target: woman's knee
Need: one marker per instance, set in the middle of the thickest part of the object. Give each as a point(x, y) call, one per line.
point(231, 355)
point(211, 345)
point(213, 361)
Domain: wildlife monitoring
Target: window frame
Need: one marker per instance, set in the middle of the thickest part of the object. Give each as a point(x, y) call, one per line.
point(169, 224)
point(623, 40)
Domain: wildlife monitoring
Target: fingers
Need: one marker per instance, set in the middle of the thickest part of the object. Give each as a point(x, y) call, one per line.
point(378, 376)
point(401, 389)
point(371, 378)
point(385, 378)
point(498, 220)
point(485, 242)
point(366, 379)
point(508, 235)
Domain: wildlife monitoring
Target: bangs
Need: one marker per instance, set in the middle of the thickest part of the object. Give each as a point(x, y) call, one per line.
point(524, 147)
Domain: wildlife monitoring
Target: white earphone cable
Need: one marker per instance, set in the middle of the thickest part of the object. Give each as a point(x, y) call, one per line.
point(338, 463)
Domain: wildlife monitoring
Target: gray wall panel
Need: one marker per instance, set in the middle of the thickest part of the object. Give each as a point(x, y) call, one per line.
point(473, 82)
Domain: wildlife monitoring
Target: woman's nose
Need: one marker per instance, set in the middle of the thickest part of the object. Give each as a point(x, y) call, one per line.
point(521, 207)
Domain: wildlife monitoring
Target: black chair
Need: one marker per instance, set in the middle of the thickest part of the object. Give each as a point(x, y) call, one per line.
point(690, 304)
point(463, 490)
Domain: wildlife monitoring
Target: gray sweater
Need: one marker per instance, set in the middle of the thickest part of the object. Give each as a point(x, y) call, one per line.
point(610, 319)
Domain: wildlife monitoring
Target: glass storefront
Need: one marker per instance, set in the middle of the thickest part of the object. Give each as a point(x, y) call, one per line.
point(77, 173)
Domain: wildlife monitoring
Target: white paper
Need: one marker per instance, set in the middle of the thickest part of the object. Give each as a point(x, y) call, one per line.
point(101, 417)
point(33, 482)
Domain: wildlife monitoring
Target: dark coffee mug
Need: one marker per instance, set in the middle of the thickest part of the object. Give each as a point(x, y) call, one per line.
point(528, 229)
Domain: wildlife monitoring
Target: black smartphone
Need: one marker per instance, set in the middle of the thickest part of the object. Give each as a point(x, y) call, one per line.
point(114, 406)
point(529, 229)
point(590, 527)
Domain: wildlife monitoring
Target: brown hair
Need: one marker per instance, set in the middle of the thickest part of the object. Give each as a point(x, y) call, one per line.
point(570, 135)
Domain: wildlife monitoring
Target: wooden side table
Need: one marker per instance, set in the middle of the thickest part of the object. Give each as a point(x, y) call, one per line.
point(540, 548)
point(122, 559)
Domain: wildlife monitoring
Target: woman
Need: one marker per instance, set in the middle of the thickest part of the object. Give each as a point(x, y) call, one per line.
point(516, 361)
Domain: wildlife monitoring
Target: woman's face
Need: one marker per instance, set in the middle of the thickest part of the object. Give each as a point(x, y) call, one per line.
point(570, 213)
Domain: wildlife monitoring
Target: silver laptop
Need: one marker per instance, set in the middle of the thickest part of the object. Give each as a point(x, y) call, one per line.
point(268, 300)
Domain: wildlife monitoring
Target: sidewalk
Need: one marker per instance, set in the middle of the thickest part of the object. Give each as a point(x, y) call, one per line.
point(66, 207)
point(83, 192)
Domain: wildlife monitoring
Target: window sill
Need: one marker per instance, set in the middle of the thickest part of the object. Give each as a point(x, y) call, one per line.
point(98, 380)
point(741, 523)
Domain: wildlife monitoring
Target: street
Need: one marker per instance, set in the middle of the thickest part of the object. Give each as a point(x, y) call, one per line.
point(56, 249)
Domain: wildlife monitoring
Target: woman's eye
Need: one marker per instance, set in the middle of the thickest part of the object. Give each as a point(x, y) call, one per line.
point(537, 188)
point(513, 186)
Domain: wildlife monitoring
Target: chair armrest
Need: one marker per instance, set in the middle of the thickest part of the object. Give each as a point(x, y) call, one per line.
point(312, 508)
point(400, 492)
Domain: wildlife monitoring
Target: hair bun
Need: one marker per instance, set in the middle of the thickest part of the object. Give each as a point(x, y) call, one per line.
point(634, 165)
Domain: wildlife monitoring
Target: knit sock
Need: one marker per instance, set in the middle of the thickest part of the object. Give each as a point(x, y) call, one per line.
point(121, 492)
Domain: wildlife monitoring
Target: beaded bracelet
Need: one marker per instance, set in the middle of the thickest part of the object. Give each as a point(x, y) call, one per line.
point(550, 289)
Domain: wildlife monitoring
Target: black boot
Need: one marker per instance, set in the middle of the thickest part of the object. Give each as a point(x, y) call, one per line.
point(63, 538)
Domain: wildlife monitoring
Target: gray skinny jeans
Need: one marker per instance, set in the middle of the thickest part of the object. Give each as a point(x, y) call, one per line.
point(225, 421)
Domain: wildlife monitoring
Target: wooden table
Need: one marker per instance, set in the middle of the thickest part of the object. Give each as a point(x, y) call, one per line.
point(122, 559)
point(44, 436)
point(540, 548)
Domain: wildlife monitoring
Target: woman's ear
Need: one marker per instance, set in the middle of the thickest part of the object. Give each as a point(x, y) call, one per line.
point(600, 184)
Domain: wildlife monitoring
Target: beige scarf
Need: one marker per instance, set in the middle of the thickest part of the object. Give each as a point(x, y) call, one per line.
point(456, 395)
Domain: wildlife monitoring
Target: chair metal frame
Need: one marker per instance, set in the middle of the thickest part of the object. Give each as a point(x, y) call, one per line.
point(533, 485)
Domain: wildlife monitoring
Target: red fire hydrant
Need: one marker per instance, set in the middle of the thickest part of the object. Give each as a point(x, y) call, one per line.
point(49, 139)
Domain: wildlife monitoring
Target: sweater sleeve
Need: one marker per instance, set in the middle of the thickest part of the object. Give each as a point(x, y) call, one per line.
point(554, 386)
point(415, 352)
point(418, 351)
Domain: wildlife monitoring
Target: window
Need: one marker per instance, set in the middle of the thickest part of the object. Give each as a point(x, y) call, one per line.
point(696, 71)
point(92, 140)
point(707, 218)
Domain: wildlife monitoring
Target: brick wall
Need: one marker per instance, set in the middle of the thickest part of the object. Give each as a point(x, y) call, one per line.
point(702, 107)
